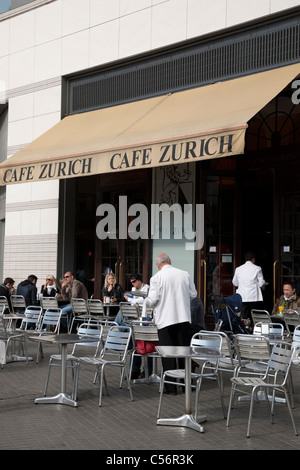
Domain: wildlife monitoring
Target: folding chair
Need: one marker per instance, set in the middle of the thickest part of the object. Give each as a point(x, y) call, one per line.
point(95, 308)
point(4, 303)
point(9, 338)
point(291, 319)
point(259, 316)
point(128, 312)
point(32, 318)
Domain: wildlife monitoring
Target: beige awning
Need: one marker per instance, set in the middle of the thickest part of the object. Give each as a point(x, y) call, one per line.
point(188, 126)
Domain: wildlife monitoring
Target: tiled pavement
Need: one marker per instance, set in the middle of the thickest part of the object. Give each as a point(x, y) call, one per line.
point(121, 425)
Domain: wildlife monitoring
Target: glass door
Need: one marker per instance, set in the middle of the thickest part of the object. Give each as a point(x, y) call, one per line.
point(219, 246)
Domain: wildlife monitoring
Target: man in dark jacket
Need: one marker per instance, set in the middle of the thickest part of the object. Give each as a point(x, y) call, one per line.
point(28, 289)
point(7, 289)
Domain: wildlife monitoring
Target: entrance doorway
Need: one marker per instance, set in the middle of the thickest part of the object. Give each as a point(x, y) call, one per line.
point(122, 255)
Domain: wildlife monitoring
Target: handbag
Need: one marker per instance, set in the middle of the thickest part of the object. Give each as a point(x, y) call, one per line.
point(145, 347)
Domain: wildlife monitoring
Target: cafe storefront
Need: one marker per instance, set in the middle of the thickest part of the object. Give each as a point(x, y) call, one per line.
point(227, 148)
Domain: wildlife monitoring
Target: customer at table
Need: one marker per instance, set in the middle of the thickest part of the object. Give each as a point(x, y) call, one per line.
point(6, 290)
point(51, 287)
point(289, 300)
point(28, 290)
point(71, 289)
point(170, 293)
point(113, 291)
point(137, 284)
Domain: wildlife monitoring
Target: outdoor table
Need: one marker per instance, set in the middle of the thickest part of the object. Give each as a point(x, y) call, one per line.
point(186, 352)
point(62, 340)
point(107, 306)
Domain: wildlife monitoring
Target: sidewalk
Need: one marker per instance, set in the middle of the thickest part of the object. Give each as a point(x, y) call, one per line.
point(122, 425)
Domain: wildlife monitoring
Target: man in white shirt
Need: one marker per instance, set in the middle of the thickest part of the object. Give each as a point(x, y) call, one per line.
point(248, 278)
point(137, 283)
point(170, 293)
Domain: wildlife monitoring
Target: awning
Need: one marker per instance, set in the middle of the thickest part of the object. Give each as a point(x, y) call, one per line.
point(188, 126)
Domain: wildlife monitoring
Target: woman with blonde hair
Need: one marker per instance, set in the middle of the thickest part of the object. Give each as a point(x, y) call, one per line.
point(113, 290)
point(51, 287)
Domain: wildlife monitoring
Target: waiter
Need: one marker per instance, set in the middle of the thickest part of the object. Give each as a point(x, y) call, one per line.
point(170, 293)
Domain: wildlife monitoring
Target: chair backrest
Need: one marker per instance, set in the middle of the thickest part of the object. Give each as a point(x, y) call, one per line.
point(2, 321)
point(91, 330)
point(51, 318)
point(212, 340)
point(252, 347)
point(48, 302)
point(79, 306)
point(259, 316)
point(290, 319)
point(128, 311)
point(95, 307)
point(272, 330)
point(32, 315)
point(149, 311)
point(18, 303)
point(296, 336)
point(117, 342)
point(280, 360)
point(4, 303)
point(144, 331)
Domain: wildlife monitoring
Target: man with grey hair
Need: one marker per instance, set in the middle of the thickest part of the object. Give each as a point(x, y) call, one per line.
point(170, 293)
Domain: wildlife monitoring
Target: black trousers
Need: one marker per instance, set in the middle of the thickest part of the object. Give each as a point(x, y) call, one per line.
point(173, 335)
point(248, 306)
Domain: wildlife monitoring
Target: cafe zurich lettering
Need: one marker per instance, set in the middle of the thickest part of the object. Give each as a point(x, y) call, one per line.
point(133, 157)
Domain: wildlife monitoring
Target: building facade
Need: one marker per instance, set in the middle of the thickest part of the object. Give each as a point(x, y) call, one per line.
point(157, 72)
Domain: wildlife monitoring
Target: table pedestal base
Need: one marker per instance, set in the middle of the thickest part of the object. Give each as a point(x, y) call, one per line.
point(185, 420)
point(60, 398)
point(153, 378)
point(15, 358)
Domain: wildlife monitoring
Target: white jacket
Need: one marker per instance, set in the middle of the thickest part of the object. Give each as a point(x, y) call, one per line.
point(248, 278)
point(171, 290)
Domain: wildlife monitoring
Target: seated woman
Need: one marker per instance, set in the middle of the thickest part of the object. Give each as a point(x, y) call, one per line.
point(51, 287)
point(114, 291)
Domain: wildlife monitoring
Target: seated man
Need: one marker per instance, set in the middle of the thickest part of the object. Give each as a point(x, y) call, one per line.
point(7, 289)
point(289, 300)
point(28, 289)
point(71, 289)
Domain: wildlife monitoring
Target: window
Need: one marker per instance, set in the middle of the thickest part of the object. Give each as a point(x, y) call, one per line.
point(7, 5)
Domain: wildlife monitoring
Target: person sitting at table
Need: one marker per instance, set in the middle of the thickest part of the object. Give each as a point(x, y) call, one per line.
point(51, 287)
point(137, 284)
point(289, 300)
point(71, 289)
point(6, 290)
point(28, 289)
point(113, 291)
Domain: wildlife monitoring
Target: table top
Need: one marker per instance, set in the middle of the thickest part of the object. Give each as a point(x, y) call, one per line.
point(186, 351)
point(64, 338)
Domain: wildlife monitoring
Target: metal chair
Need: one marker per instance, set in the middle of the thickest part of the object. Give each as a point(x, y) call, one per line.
point(253, 353)
point(129, 312)
point(148, 313)
point(49, 324)
point(259, 316)
point(9, 338)
point(18, 303)
point(80, 311)
point(91, 349)
point(145, 331)
point(95, 308)
point(210, 340)
point(274, 331)
point(291, 319)
point(114, 353)
point(32, 317)
point(48, 302)
point(280, 362)
point(4, 303)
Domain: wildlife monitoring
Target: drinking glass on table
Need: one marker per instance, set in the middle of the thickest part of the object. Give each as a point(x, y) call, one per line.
point(280, 308)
